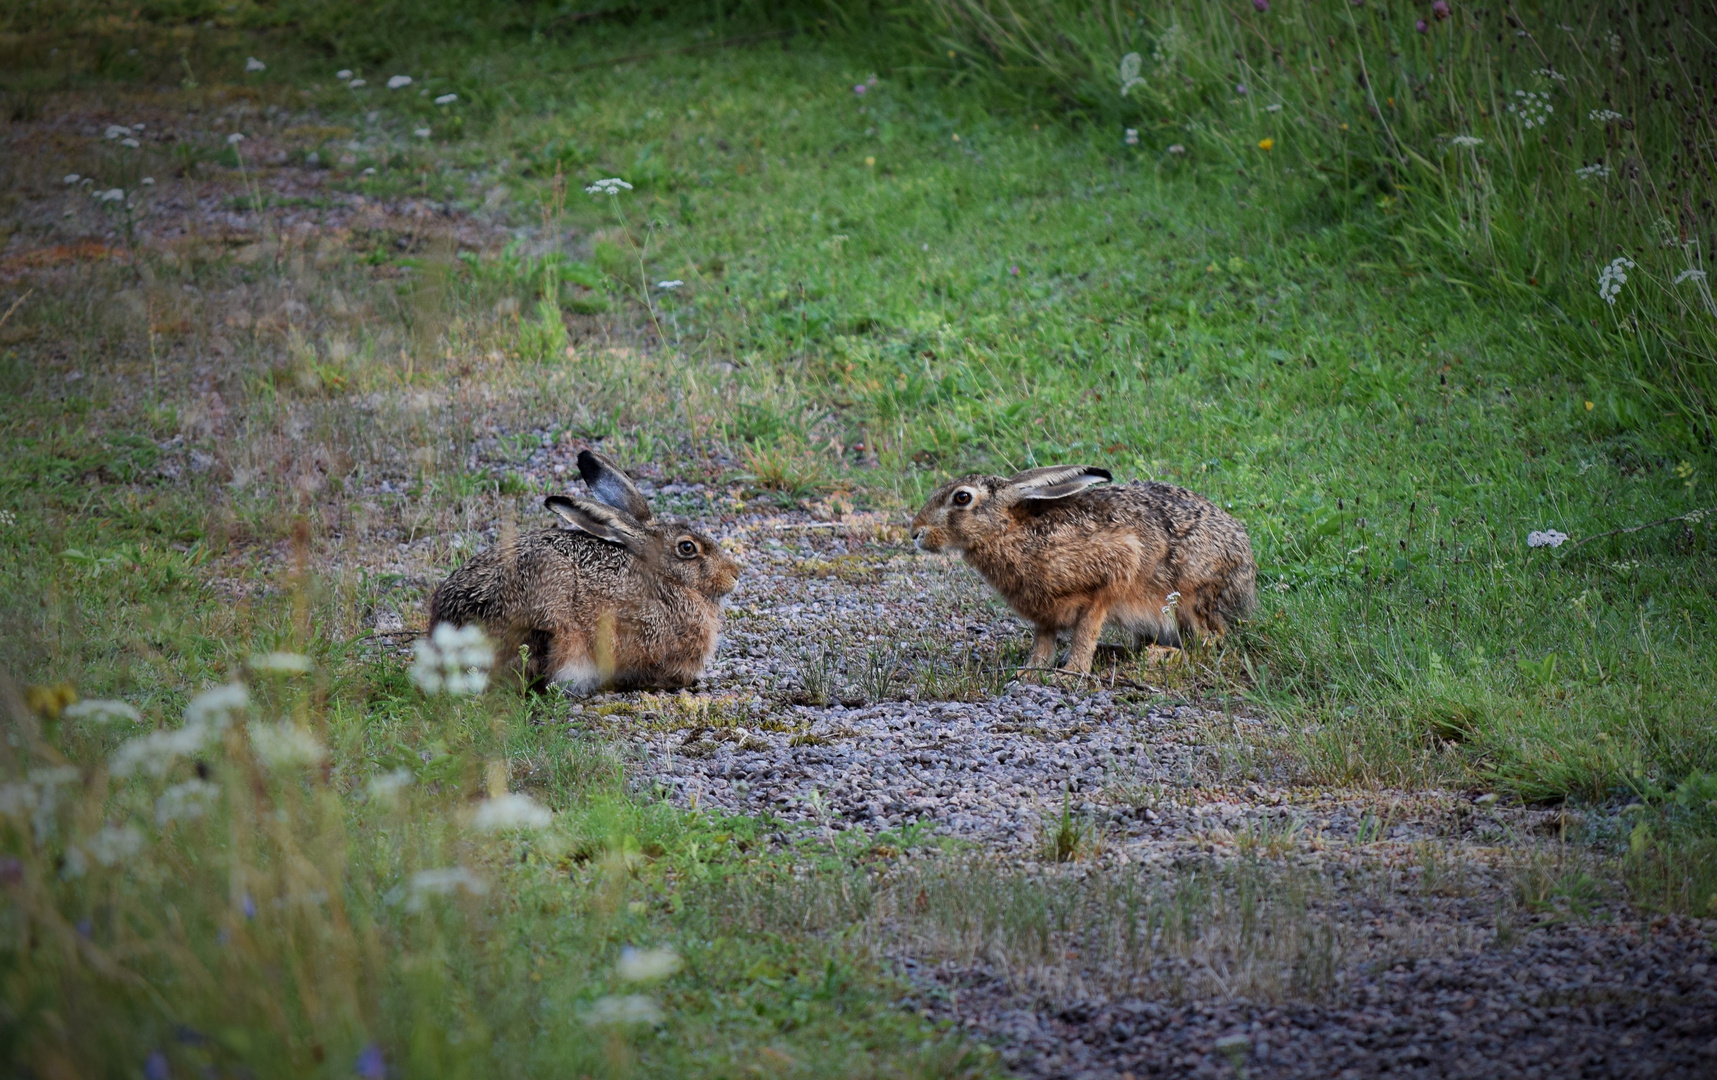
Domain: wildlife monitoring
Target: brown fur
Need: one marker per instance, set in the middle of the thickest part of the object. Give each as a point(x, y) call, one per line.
point(610, 600)
point(1071, 556)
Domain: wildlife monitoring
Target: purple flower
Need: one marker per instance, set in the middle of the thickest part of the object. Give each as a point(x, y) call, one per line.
point(1014, 269)
point(1260, 6)
point(371, 1065)
point(1240, 88)
point(11, 871)
point(155, 1066)
point(1440, 9)
point(861, 89)
point(1421, 26)
point(248, 906)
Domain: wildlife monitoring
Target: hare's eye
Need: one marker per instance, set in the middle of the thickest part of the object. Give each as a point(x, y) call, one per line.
point(962, 497)
point(687, 549)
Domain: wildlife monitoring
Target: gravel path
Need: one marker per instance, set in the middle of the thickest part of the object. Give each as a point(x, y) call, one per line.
point(1448, 962)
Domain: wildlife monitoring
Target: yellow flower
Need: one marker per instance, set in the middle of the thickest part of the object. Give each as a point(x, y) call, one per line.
point(870, 161)
point(1266, 144)
point(1590, 406)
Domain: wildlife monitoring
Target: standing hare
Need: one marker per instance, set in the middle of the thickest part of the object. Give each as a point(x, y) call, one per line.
point(1154, 559)
point(615, 598)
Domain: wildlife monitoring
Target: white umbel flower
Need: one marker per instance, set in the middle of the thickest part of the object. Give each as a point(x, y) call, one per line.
point(646, 965)
point(453, 660)
point(251, 63)
point(103, 711)
point(1547, 538)
point(281, 663)
point(611, 186)
point(511, 811)
point(1612, 277)
point(447, 99)
point(399, 81)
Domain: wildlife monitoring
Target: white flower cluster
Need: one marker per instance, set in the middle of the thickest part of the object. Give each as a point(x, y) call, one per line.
point(285, 743)
point(1593, 172)
point(1604, 116)
point(511, 811)
point(280, 663)
point(1685, 275)
point(1552, 74)
point(1548, 538)
point(399, 81)
point(646, 965)
point(37, 796)
point(622, 1011)
point(208, 715)
point(103, 711)
point(611, 186)
point(1466, 141)
point(110, 846)
point(253, 64)
point(1612, 277)
point(453, 660)
point(441, 882)
point(1533, 108)
point(670, 285)
point(185, 802)
point(1131, 137)
point(447, 99)
point(1130, 76)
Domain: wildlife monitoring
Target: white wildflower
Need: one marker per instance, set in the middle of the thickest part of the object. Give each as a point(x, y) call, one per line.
point(206, 717)
point(184, 802)
point(234, 139)
point(251, 63)
point(111, 195)
point(8, 518)
point(1604, 116)
point(1467, 141)
point(72, 178)
point(1685, 275)
point(1177, 148)
point(398, 81)
point(1130, 76)
point(371, 171)
point(1612, 277)
point(669, 285)
point(38, 796)
point(646, 965)
point(114, 844)
point(442, 882)
point(447, 99)
point(147, 181)
point(453, 660)
point(611, 186)
point(343, 74)
point(422, 133)
point(1593, 172)
point(511, 811)
point(103, 711)
point(1130, 136)
point(388, 785)
point(285, 743)
point(1547, 538)
point(280, 663)
point(1551, 74)
point(1532, 108)
point(620, 1011)
point(1173, 601)
point(128, 141)
point(355, 83)
point(116, 131)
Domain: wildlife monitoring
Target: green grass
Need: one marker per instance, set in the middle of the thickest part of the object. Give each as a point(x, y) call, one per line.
point(879, 291)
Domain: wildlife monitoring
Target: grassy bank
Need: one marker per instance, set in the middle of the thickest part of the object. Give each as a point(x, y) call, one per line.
point(876, 289)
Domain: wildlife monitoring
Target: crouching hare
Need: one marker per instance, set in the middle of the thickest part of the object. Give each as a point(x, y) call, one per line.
point(1066, 554)
point(614, 598)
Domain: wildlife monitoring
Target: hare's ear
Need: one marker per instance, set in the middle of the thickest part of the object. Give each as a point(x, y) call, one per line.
point(1054, 482)
point(612, 486)
point(599, 521)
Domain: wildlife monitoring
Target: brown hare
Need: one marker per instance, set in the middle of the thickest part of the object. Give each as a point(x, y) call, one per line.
point(1153, 559)
point(616, 598)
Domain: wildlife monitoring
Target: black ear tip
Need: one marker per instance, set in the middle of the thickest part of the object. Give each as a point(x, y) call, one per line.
point(1104, 473)
point(556, 500)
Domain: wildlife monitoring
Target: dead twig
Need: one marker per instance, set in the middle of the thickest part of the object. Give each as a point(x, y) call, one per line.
point(15, 305)
point(1691, 515)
